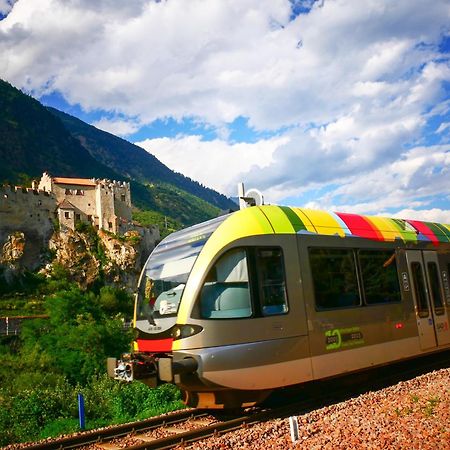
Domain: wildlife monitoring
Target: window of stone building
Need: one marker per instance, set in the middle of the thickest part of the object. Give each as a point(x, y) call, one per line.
point(80, 192)
point(77, 217)
point(110, 225)
point(68, 192)
point(122, 197)
point(89, 218)
point(67, 214)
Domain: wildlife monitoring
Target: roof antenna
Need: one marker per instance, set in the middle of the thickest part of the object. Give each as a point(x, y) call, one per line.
point(252, 197)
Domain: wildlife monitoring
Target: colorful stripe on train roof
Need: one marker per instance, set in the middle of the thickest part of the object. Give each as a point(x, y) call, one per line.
point(285, 219)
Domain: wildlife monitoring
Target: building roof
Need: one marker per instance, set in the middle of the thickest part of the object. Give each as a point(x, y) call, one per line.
point(76, 181)
point(65, 204)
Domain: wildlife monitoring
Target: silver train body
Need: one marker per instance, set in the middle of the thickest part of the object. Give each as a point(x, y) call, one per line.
point(267, 297)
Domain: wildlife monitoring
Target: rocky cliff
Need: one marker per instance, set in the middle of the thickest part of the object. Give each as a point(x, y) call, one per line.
point(86, 255)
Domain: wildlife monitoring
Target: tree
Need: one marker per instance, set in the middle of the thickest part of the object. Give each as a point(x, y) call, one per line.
point(79, 334)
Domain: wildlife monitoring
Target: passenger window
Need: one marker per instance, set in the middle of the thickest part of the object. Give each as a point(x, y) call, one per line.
point(379, 276)
point(436, 294)
point(272, 282)
point(225, 293)
point(419, 289)
point(334, 278)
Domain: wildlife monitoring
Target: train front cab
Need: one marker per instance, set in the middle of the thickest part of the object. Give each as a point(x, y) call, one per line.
point(255, 333)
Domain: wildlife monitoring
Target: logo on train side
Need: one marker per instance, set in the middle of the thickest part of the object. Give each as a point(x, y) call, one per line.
point(343, 337)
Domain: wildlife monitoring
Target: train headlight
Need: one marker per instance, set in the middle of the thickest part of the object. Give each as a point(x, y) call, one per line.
point(184, 331)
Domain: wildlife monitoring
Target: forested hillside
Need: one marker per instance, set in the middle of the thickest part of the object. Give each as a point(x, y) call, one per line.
point(34, 139)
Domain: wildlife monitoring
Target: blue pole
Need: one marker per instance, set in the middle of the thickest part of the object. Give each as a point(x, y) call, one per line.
point(81, 411)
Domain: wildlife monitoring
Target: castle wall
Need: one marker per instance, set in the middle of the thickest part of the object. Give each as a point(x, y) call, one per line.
point(31, 212)
point(66, 218)
point(105, 200)
point(122, 200)
point(83, 198)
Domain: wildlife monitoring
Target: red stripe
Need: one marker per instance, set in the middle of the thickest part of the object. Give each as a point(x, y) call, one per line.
point(359, 226)
point(155, 345)
point(424, 230)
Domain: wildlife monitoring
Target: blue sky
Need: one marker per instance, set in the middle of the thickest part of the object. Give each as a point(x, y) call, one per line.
point(330, 104)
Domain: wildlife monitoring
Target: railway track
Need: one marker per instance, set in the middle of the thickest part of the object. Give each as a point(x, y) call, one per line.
point(187, 426)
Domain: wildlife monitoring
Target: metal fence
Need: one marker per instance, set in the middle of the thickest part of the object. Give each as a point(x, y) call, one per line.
point(10, 326)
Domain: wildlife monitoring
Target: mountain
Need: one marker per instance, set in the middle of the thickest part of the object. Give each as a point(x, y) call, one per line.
point(34, 139)
point(134, 162)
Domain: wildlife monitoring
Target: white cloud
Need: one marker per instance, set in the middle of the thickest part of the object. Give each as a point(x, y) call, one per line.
point(6, 6)
point(443, 126)
point(117, 126)
point(351, 84)
point(216, 163)
point(217, 60)
point(428, 215)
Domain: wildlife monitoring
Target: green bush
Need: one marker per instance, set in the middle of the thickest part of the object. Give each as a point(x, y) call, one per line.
point(56, 358)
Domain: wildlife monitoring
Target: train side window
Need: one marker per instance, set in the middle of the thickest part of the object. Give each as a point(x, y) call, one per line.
point(379, 276)
point(272, 282)
point(226, 293)
point(334, 278)
point(419, 289)
point(436, 294)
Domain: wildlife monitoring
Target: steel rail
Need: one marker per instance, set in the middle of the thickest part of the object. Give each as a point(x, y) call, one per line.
point(105, 434)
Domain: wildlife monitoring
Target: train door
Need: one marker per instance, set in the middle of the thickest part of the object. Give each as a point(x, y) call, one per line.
point(428, 298)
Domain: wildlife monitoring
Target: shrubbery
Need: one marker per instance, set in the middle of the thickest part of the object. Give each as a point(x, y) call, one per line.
point(42, 412)
point(59, 357)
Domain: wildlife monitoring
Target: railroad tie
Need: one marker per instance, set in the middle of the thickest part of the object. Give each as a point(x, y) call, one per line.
point(200, 422)
point(107, 446)
point(145, 438)
point(174, 430)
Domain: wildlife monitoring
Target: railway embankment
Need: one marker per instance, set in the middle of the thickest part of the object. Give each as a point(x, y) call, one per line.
point(413, 414)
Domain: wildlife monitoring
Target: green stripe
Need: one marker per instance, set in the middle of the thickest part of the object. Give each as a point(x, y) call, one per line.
point(406, 234)
point(438, 231)
point(296, 222)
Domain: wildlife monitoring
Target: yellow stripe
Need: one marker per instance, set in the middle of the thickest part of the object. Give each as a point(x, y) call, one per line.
point(324, 222)
point(278, 219)
point(386, 228)
point(305, 219)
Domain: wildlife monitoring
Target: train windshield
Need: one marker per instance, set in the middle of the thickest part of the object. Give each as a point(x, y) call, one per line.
point(167, 269)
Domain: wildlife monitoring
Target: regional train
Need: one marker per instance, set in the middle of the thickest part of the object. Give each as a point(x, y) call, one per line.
point(270, 296)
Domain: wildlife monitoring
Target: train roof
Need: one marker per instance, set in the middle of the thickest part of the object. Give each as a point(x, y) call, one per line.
point(286, 219)
point(272, 219)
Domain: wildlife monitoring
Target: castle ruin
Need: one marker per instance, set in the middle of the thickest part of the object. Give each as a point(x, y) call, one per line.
point(30, 214)
point(103, 203)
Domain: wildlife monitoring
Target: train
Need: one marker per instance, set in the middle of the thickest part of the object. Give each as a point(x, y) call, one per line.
point(267, 297)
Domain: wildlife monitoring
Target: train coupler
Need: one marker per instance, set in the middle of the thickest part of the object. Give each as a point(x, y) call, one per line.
point(134, 367)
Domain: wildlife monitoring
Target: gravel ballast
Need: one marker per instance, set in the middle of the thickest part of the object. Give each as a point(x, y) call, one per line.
point(413, 414)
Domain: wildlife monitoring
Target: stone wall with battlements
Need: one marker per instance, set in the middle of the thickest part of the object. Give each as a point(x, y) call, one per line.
point(31, 212)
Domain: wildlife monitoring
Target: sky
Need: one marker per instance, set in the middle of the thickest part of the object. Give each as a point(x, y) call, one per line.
point(334, 104)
